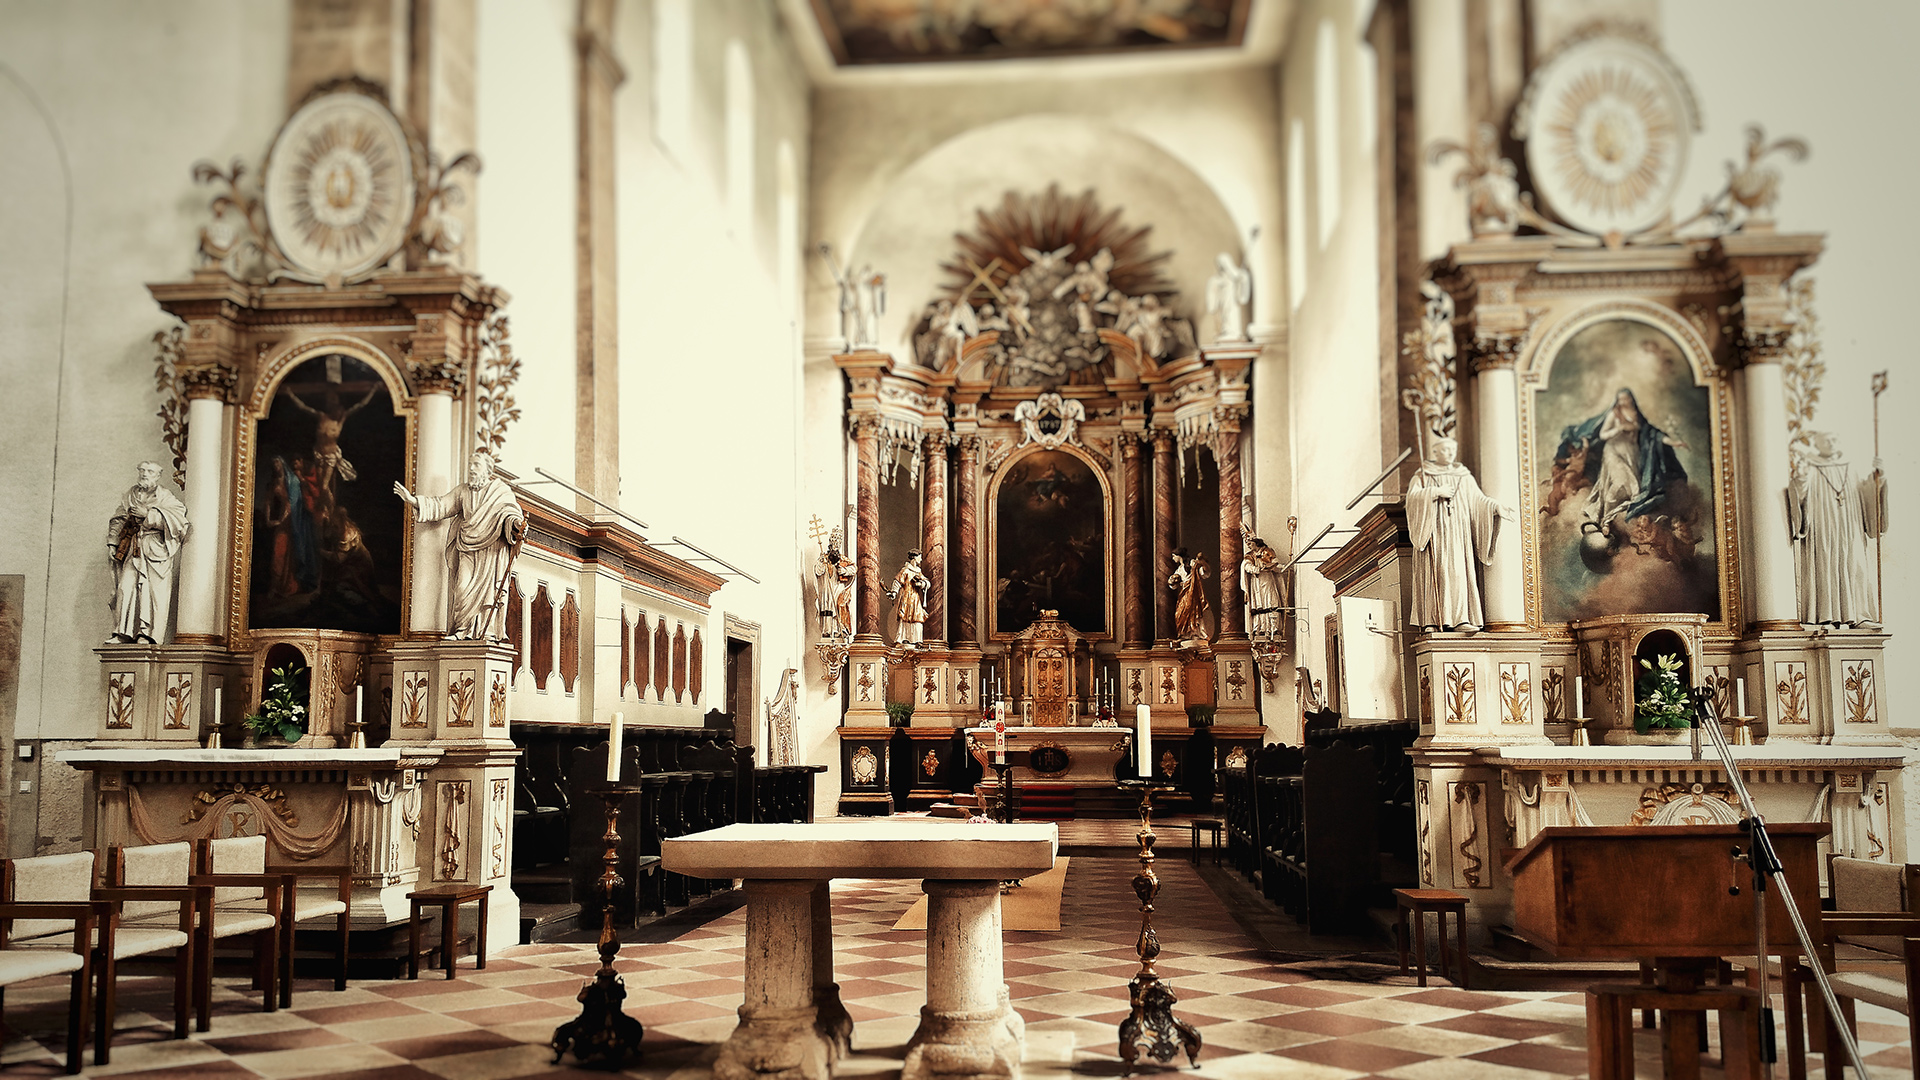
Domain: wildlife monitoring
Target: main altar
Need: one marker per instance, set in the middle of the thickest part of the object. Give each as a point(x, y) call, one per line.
point(1055, 470)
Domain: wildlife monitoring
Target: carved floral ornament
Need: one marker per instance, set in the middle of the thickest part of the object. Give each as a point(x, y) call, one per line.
point(1606, 122)
point(345, 189)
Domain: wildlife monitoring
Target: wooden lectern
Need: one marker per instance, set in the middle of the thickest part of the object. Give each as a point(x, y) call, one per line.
point(1660, 893)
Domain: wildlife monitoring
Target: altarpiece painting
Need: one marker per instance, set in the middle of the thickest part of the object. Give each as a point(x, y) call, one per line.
point(1050, 550)
point(1623, 440)
point(328, 533)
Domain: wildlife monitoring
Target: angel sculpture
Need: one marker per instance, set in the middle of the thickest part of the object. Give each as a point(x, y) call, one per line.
point(1088, 283)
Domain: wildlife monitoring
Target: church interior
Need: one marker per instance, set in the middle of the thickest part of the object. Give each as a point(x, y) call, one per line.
point(1199, 487)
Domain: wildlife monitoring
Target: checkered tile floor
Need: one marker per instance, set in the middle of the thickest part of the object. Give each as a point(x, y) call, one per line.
point(1259, 1019)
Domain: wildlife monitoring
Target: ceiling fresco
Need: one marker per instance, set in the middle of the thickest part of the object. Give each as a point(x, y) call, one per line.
point(912, 31)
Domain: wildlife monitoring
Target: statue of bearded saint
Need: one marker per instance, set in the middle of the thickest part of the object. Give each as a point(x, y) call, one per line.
point(480, 547)
point(143, 542)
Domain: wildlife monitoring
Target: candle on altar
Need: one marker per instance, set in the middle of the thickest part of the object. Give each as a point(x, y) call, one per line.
point(1143, 732)
point(1579, 697)
point(218, 690)
point(1740, 695)
point(360, 704)
point(614, 732)
point(1000, 733)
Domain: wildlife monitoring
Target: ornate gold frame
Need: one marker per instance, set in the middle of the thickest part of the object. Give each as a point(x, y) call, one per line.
point(1533, 370)
point(267, 377)
point(991, 507)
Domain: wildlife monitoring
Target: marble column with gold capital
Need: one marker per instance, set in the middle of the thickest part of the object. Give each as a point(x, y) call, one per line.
point(1226, 457)
point(866, 441)
point(933, 533)
point(967, 540)
point(1137, 633)
point(1163, 532)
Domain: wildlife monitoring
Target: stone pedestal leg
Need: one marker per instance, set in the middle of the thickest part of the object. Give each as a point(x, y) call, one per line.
point(831, 1019)
point(968, 1028)
point(776, 1038)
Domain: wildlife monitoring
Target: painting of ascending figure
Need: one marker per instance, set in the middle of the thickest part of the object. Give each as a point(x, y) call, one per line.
point(1624, 471)
point(1050, 544)
point(327, 529)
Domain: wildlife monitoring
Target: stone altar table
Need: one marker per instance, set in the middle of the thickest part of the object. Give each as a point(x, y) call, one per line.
point(1084, 756)
point(791, 1024)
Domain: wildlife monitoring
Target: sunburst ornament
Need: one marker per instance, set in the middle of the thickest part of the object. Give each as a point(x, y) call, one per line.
point(340, 186)
point(1607, 123)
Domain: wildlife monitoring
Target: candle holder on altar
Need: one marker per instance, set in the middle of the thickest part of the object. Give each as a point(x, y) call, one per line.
point(1151, 1024)
point(602, 1036)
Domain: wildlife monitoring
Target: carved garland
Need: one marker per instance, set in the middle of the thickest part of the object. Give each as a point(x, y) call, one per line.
point(1430, 347)
point(268, 806)
point(498, 369)
point(1802, 369)
point(170, 348)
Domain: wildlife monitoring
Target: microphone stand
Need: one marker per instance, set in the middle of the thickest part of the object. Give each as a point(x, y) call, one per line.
point(1760, 857)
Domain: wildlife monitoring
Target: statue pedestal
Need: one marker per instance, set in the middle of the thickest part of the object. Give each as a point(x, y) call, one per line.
point(162, 695)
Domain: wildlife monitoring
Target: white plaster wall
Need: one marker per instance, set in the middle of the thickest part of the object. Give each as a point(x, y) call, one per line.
point(1333, 344)
point(709, 340)
point(524, 215)
point(104, 108)
point(1842, 77)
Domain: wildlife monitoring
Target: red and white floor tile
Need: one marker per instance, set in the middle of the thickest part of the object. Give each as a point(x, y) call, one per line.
point(1259, 1019)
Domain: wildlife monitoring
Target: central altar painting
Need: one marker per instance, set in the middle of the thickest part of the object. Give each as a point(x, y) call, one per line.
point(1050, 550)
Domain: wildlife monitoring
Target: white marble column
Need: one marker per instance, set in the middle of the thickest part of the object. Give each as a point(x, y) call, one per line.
point(1497, 413)
point(967, 1028)
point(776, 1038)
point(1769, 552)
point(432, 475)
point(200, 585)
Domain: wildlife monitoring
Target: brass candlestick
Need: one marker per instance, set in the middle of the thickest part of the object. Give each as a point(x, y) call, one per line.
point(602, 1036)
point(1151, 1024)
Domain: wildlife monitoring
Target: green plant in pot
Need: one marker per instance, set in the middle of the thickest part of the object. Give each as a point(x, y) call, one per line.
point(1660, 703)
point(282, 715)
point(899, 713)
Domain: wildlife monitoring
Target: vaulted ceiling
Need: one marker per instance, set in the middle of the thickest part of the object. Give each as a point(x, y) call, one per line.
point(870, 32)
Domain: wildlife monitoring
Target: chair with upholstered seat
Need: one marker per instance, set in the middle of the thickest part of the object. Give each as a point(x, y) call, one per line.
point(248, 855)
point(163, 923)
point(18, 964)
point(239, 898)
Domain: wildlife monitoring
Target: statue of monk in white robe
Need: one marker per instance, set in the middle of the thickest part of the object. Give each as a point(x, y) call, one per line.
point(143, 542)
point(1454, 526)
point(480, 550)
point(1831, 516)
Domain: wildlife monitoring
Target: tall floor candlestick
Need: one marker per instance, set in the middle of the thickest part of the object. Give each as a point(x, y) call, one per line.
point(1151, 1024)
point(603, 1036)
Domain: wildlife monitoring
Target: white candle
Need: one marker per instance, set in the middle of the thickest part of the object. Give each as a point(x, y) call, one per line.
point(1579, 697)
point(1740, 694)
point(1000, 733)
point(360, 704)
point(1143, 731)
point(218, 689)
point(613, 749)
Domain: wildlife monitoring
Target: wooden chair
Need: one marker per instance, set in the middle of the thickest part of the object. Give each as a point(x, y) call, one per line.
point(164, 922)
point(239, 898)
point(300, 904)
point(1878, 984)
point(76, 921)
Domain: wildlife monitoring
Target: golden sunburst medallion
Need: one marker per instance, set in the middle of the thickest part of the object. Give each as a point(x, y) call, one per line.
point(339, 186)
point(1606, 123)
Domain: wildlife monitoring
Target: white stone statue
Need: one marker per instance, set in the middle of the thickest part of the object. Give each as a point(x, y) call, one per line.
point(782, 712)
point(909, 594)
point(1266, 593)
point(1229, 291)
point(1831, 516)
point(143, 541)
point(1146, 325)
point(481, 548)
point(1454, 525)
point(849, 299)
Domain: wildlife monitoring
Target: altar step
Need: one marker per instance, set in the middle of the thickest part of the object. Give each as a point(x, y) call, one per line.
point(1046, 802)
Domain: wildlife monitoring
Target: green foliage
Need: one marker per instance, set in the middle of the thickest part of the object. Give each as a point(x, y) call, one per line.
point(899, 713)
point(1659, 701)
point(1200, 715)
point(282, 715)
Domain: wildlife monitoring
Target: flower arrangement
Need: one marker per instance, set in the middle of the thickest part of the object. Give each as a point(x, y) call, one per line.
point(899, 713)
point(282, 715)
point(1659, 701)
